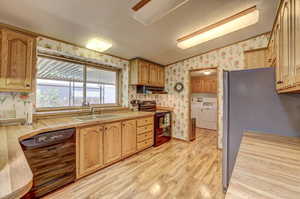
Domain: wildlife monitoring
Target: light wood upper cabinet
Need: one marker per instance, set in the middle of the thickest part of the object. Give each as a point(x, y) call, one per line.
point(257, 58)
point(297, 41)
point(286, 35)
point(285, 43)
point(146, 73)
point(153, 75)
point(277, 47)
point(112, 142)
point(18, 60)
point(128, 138)
point(161, 77)
point(204, 84)
point(90, 149)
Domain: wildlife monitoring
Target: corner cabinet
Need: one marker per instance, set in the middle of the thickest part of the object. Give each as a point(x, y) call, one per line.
point(18, 61)
point(146, 73)
point(99, 146)
point(284, 51)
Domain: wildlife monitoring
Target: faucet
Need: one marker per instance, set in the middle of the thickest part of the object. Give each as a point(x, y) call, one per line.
point(93, 110)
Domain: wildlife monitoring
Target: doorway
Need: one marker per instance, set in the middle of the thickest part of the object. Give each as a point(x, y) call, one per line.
point(203, 103)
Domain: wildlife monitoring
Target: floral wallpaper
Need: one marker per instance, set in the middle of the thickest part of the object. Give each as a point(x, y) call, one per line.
point(21, 105)
point(16, 105)
point(228, 58)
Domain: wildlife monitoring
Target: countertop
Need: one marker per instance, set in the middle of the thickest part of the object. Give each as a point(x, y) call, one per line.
point(267, 167)
point(15, 173)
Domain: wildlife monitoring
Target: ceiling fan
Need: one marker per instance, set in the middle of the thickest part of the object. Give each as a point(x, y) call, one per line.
point(150, 11)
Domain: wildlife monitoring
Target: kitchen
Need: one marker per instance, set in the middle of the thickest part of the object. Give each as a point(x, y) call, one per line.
point(92, 108)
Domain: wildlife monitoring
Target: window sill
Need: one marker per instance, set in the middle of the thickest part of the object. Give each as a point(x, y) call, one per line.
point(56, 113)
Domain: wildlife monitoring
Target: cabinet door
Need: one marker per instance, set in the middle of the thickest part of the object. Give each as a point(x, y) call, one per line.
point(143, 73)
point(153, 75)
point(17, 61)
point(90, 149)
point(278, 41)
point(285, 45)
point(161, 76)
point(112, 142)
point(297, 41)
point(128, 137)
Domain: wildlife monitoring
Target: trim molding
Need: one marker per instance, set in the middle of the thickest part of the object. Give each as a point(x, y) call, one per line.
point(181, 60)
point(257, 49)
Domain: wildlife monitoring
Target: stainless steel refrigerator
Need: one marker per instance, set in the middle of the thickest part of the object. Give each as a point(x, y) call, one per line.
point(252, 103)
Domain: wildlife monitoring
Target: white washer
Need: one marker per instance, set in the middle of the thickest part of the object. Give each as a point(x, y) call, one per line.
point(207, 117)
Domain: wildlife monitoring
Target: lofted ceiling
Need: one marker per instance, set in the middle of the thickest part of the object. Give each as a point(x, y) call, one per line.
point(78, 21)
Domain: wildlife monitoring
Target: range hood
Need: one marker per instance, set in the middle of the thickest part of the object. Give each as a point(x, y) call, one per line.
point(150, 11)
point(150, 90)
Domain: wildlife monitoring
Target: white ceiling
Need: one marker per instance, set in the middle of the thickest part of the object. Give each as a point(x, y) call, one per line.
point(78, 21)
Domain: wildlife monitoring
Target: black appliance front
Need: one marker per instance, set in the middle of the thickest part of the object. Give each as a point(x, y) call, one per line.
point(52, 159)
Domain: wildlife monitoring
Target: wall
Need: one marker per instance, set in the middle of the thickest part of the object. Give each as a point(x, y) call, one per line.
point(21, 105)
point(227, 58)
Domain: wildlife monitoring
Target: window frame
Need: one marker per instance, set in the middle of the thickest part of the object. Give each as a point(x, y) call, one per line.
point(84, 105)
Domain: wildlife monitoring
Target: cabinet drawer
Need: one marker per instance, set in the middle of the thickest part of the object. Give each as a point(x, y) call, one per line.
point(145, 136)
point(144, 144)
point(144, 121)
point(144, 129)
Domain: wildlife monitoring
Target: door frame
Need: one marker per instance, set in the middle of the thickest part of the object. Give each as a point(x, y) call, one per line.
point(190, 98)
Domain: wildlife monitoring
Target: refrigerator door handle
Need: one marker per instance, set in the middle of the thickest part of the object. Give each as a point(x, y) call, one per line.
point(225, 177)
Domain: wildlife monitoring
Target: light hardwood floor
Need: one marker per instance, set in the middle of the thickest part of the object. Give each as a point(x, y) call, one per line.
point(174, 170)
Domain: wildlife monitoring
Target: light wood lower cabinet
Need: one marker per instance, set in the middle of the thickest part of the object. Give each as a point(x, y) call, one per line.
point(90, 149)
point(128, 138)
point(101, 145)
point(112, 142)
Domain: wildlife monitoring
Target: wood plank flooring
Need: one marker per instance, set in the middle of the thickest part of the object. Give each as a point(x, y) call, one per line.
point(174, 170)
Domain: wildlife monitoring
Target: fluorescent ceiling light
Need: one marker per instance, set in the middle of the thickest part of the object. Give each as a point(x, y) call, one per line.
point(236, 22)
point(98, 45)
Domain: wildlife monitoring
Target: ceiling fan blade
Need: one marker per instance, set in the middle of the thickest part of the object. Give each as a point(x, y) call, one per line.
point(140, 4)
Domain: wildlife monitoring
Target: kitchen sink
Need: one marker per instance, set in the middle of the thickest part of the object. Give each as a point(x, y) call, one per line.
point(93, 117)
point(104, 116)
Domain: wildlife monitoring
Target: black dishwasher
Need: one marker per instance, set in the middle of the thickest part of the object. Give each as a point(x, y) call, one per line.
point(52, 159)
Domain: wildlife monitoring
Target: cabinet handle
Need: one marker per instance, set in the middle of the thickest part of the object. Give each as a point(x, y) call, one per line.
point(105, 128)
point(27, 85)
point(279, 82)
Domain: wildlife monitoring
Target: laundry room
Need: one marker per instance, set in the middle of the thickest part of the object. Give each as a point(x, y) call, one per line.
point(203, 101)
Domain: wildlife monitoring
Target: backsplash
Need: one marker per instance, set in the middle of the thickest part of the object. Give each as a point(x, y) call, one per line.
point(228, 58)
point(16, 105)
